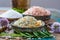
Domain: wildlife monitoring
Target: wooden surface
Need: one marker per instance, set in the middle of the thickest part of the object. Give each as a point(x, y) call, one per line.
point(2, 11)
point(57, 36)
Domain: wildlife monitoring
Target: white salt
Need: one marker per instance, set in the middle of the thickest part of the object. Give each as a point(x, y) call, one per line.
point(11, 14)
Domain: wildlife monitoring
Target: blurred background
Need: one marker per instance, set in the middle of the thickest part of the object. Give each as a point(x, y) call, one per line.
point(43, 3)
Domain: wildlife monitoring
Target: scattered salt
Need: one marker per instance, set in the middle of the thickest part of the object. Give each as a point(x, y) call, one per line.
point(11, 14)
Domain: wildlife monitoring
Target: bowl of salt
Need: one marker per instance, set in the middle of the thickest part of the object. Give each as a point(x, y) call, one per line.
point(11, 15)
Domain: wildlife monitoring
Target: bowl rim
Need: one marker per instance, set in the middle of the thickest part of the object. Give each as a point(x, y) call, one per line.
point(35, 16)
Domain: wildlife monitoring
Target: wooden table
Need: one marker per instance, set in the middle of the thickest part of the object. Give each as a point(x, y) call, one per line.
point(57, 36)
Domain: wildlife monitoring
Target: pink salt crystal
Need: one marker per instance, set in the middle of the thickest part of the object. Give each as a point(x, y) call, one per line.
point(48, 12)
point(37, 11)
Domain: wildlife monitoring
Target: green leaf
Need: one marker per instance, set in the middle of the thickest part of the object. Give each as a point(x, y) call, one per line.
point(28, 34)
point(3, 34)
point(15, 35)
point(18, 10)
point(36, 34)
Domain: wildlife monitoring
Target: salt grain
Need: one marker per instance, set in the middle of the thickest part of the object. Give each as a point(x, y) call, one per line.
point(11, 14)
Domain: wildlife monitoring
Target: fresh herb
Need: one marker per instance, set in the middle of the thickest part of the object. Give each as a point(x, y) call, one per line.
point(35, 34)
point(3, 34)
point(18, 10)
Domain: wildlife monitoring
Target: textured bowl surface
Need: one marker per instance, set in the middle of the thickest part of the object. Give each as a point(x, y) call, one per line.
point(12, 19)
point(26, 29)
point(49, 38)
point(44, 18)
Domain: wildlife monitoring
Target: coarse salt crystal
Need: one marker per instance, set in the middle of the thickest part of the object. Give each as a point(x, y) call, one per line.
point(11, 14)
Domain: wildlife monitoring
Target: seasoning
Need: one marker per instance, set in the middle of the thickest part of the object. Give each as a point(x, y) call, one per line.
point(11, 14)
point(28, 22)
point(37, 11)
